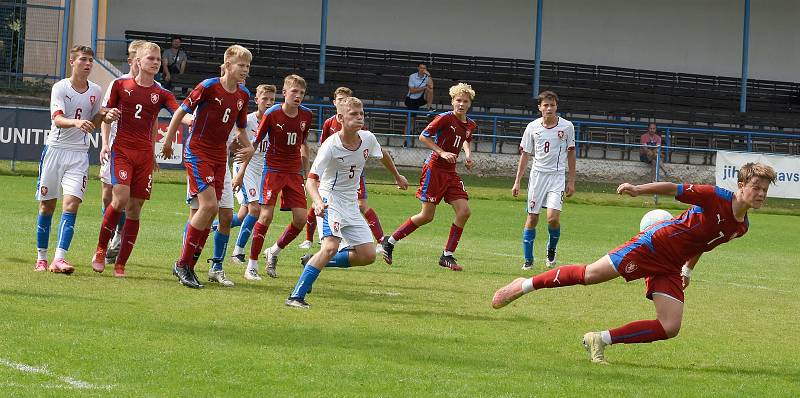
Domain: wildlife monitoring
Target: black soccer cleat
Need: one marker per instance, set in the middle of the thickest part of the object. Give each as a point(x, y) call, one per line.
point(297, 302)
point(194, 278)
point(305, 258)
point(449, 262)
point(184, 275)
point(387, 250)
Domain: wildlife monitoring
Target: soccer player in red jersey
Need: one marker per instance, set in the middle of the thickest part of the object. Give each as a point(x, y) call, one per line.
point(219, 103)
point(132, 155)
point(286, 127)
point(330, 127)
point(665, 254)
point(446, 135)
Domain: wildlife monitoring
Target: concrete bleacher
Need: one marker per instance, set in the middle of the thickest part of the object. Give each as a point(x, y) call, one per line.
point(504, 87)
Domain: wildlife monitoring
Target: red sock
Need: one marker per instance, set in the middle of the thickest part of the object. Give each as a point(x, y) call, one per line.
point(199, 249)
point(288, 235)
point(565, 275)
point(404, 230)
point(129, 233)
point(311, 224)
point(259, 232)
point(452, 240)
point(638, 332)
point(374, 224)
point(108, 227)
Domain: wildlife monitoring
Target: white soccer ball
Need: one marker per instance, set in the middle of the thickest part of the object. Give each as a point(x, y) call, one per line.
point(653, 217)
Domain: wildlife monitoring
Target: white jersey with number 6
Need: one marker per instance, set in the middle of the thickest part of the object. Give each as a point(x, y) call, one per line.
point(549, 146)
point(66, 101)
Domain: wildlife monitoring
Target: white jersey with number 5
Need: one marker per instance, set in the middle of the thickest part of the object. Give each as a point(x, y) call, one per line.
point(339, 171)
point(65, 100)
point(548, 146)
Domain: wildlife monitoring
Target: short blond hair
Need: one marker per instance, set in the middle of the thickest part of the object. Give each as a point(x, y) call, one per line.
point(344, 91)
point(348, 103)
point(462, 88)
point(147, 46)
point(236, 52)
point(133, 48)
point(294, 80)
point(757, 170)
point(266, 88)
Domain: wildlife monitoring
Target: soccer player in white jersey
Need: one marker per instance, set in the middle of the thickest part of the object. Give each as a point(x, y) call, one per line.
point(108, 132)
point(75, 106)
point(333, 183)
point(550, 139)
point(250, 192)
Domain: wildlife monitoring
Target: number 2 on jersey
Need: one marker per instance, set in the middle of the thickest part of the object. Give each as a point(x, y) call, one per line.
point(138, 113)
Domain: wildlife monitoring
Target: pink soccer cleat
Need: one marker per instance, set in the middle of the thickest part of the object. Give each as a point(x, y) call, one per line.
point(119, 271)
point(99, 260)
point(41, 266)
point(508, 293)
point(61, 266)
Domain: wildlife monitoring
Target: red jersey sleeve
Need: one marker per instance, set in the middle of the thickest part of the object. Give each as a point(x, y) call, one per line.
point(113, 98)
point(194, 98)
point(434, 126)
point(700, 195)
point(323, 134)
point(262, 130)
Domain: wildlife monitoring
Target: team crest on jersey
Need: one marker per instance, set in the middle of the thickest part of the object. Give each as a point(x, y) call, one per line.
point(92, 99)
point(302, 125)
point(43, 190)
point(239, 105)
point(366, 153)
point(631, 267)
point(469, 133)
point(123, 175)
point(154, 98)
point(560, 134)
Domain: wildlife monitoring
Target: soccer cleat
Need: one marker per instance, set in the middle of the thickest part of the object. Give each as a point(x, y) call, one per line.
point(297, 302)
point(41, 266)
point(304, 259)
point(508, 293)
point(239, 259)
point(219, 277)
point(184, 275)
point(595, 346)
point(119, 271)
point(449, 262)
point(113, 248)
point(251, 274)
point(306, 244)
point(61, 266)
point(99, 260)
point(215, 226)
point(551, 258)
point(527, 265)
point(387, 250)
point(194, 277)
point(272, 262)
point(379, 249)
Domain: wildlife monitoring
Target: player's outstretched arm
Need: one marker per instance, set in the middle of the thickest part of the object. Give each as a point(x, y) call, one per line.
point(172, 130)
point(657, 188)
point(522, 165)
point(388, 162)
point(468, 162)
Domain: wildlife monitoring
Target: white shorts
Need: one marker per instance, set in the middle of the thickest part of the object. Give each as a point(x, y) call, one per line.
point(226, 202)
point(62, 172)
point(545, 190)
point(352, 229)
point(105, 173)
point(251, 184)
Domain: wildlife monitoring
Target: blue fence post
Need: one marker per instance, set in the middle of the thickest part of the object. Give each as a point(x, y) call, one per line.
point(669, 143)
point(494, 134)
point(64, 38)
point(749, 142)
point(577, 138)
point(408, 129)
point(95, 11)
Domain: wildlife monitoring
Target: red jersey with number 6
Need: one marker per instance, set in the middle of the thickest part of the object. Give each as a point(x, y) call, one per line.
point(448, 133)
point(286, 135)
point(216, 112)
point(139, 107)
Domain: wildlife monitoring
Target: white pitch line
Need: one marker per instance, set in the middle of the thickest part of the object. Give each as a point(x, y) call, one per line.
point(78, 384)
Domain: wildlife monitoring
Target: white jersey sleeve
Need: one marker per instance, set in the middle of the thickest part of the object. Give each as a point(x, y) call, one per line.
point(58, 99)
point(527, 143)
point(570, 135)
point(324, 156)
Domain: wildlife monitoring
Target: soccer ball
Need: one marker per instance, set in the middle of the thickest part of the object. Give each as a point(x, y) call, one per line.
point(653, 217)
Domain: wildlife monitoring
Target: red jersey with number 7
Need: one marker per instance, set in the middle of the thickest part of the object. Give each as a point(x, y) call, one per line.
point(286, 135)
point(448, 133)
point(139, 107)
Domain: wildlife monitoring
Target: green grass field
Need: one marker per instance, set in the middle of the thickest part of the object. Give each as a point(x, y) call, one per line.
point(412, 329)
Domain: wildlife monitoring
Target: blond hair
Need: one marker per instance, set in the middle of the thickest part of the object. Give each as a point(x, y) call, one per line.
point(348, 103)
point(236, 52)
point(146, 47)
point(462, 88)
point(133, 48)
point(79, 49)
point(547, 95)
point(757, 170)
point(294, 80)
point(266, 88)
point(343, 91)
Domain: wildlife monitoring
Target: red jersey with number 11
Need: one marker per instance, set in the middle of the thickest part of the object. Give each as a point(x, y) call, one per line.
point(448, 133)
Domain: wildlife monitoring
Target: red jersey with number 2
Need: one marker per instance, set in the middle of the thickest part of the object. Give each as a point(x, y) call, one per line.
point(139, 107)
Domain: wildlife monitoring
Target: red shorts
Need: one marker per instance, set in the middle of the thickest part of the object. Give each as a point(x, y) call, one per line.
point(638, 258)
point(436, 184)
point(291, 187)
point(133, 168)
point(203, 174)
point(362, 188)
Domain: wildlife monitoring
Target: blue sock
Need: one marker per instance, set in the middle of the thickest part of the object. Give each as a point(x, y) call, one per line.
point(66, 228)
point(121, 222)
point(555, 233)
point(307, 279)
point(340, 260)
point(235, 221)
point(247, 229)
point(528, 236)
point(43, 230)
point(220, 248)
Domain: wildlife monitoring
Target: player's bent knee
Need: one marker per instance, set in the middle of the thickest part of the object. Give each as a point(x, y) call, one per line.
point(671, 329)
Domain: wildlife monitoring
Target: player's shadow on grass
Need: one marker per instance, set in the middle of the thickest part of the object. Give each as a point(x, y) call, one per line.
point(724, 370)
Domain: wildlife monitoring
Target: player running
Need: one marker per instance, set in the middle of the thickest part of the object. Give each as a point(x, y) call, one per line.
point(64, 165)
point(333, 184)
point(446, 135)
point(665, 254)
point(550, 139)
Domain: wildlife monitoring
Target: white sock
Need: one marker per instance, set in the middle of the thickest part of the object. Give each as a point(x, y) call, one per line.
point(275, 249)
point(60, 254)
point(252, 264)
point(447, 253)
point(527, 285)
point(606, 336)
point(238, 250)
point(41, 254)
point(392, 240)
